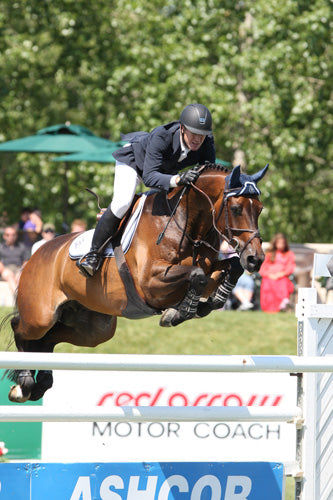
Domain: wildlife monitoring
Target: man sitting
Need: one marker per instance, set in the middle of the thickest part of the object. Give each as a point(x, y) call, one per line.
point(13, 256)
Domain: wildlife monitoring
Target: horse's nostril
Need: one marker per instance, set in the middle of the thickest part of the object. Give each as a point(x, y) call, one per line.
point(253, 263)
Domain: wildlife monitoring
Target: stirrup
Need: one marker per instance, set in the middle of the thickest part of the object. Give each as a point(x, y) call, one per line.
point(79, 263)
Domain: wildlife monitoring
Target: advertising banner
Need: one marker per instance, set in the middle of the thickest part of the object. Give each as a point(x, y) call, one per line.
point(142, 481)
point(169, 441)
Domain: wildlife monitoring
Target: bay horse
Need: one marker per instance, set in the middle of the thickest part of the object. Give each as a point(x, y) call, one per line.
point(171, 265)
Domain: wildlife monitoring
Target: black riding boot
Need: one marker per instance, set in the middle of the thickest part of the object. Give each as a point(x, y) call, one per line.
point(105, 229)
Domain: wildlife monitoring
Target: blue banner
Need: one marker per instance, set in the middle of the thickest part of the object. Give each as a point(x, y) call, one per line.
point(142, 481)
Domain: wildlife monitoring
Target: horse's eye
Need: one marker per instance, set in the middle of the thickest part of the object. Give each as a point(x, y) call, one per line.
point(237, 210)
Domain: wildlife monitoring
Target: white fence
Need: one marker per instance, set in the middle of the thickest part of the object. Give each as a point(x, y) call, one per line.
point(315, 397)
point(165, 363)
point(151, 414)
point(312, 415)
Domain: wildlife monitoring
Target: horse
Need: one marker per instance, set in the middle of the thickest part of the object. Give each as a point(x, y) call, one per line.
point(171, 269)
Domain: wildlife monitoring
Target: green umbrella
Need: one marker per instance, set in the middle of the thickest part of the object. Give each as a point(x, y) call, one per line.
point(63, 138)
point(103, 155)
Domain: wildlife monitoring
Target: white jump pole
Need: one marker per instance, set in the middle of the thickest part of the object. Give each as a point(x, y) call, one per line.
point(165, 363)
point(150, 414)
point(315, 396)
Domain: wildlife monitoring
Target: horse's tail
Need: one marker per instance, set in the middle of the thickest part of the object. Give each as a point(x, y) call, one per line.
point(4, 322)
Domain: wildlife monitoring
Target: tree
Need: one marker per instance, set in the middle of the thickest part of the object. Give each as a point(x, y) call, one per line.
point(263, 69)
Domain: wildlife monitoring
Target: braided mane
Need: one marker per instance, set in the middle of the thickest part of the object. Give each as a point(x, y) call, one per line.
point(214, 166)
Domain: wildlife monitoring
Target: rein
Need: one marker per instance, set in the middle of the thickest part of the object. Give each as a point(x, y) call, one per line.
point(230, 230)
point(195, 243)
point(161, 235)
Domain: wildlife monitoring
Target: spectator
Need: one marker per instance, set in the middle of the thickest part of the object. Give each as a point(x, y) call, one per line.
point(78, 225)
point(278, 265)
point(48, 233)
point(244, 291)
point(226, 251)
point(24, 217)
point(31, 224)
point(13, 255)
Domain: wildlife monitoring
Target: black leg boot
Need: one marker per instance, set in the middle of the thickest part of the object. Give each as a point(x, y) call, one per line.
point(105, 229)
point(218, 299)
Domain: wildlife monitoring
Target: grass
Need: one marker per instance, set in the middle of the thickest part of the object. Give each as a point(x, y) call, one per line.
point(222, 332)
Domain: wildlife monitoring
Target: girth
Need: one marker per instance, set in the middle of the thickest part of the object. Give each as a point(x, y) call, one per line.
point(136, 307)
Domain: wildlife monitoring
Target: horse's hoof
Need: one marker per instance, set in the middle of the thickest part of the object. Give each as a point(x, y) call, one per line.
point(167, 317)
point(16, 395)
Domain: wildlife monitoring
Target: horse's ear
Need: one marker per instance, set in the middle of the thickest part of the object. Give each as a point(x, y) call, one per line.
point(234, 180)
point(259, 175)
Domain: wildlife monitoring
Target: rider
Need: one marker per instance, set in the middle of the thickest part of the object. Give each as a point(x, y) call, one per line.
point(156, 158)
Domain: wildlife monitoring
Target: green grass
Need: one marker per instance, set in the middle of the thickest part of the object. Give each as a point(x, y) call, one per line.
point(222, 332)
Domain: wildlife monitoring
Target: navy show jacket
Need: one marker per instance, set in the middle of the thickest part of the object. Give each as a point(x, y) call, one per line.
point(154, 155)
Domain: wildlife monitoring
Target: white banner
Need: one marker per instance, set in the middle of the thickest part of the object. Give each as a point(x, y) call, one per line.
point(174, 441)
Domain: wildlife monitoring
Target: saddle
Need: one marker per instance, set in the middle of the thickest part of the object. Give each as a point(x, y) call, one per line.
point(82, 243)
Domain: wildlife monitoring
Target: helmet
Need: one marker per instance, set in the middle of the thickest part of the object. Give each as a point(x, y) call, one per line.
point(197, 119)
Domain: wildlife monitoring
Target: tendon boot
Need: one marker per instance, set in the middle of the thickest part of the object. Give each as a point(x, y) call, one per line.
point(105, 229)
point(218, 299)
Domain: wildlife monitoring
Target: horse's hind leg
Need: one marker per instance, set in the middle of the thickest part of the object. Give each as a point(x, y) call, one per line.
point(78, 326)
point(84, 328)
point(27, 387)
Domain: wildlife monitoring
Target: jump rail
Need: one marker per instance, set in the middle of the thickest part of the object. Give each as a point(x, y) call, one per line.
point(150, 414)
point(150, 362)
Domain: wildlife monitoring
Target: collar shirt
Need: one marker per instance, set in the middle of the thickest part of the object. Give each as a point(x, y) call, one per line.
point(184, 150)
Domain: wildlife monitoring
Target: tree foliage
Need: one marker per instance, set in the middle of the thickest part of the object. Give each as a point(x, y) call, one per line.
point(263, 68)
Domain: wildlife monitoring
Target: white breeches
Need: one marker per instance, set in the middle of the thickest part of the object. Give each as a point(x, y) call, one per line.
point(125, 181)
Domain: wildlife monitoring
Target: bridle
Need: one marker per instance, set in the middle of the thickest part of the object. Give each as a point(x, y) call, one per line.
point(229, 238)
point(230, 230)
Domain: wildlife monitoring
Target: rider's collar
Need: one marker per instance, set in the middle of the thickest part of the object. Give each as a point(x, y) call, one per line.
point(184, 150)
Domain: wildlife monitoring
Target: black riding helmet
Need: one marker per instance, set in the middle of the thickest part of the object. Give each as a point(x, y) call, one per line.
point(197, 119)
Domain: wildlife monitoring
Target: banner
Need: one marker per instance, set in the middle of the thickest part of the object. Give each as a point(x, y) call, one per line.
point(169, 441)
point(142, 481)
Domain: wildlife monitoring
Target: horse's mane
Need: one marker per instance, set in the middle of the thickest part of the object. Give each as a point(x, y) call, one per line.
point(214, 166)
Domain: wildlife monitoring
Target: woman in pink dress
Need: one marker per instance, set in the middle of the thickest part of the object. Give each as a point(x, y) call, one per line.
point(276, 286)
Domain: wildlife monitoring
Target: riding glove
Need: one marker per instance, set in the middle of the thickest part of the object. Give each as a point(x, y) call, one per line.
point(186, 178)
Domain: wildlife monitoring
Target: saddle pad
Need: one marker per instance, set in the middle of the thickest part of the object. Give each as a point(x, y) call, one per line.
point(82, 243)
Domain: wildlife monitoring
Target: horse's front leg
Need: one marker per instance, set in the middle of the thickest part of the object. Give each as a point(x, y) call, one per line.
point(187, 308)
point(224, 286)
